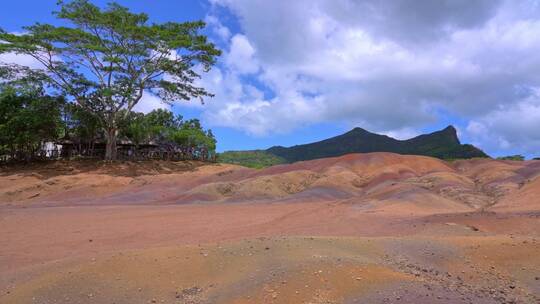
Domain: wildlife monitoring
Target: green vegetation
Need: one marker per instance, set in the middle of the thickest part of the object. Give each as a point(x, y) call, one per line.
point(536, 158)
point(442, 144)
point(29, 120)
point(516, 157)
point(105, 60)
point(193, 138)
point(254, 159)
point(26, 121)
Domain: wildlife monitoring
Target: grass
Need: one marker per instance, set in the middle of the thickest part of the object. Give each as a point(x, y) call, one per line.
point(257, 159)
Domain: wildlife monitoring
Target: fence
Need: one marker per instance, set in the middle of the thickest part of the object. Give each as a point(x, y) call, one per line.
point(124, 152)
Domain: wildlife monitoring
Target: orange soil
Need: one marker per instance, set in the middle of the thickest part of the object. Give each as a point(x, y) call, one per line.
point(362, 228)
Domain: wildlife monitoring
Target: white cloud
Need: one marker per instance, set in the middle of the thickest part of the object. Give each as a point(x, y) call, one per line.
point(244, 107)
point(385, 66)
point(513, 127)
point(402, 134)
point(150, 102)
point(241, 55)
point(220, 30)
point(20, 59)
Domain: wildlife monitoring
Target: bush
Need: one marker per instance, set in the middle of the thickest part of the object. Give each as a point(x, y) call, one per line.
point(253, 159)
point(512, 157)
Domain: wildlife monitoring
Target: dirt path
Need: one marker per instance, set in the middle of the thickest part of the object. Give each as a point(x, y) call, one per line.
point(218, 254)
point(290, 270)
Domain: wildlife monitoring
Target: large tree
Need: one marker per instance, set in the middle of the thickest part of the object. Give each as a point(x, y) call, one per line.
point(106, 59)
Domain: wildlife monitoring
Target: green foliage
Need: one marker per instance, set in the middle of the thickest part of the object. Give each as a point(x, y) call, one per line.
point(162, 127)
point(536, 158)
point(443, 144)
point(138, 129)
point(163, 118)
point(191, 134)
point(81, 126)
point(186, 137)
point(27, 121)
point(512, 157)
point(254, 159)
point(107, 58)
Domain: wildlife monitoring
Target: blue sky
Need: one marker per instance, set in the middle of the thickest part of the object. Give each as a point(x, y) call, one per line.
point(294, 72)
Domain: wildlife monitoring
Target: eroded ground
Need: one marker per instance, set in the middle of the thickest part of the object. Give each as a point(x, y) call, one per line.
point(364, 228)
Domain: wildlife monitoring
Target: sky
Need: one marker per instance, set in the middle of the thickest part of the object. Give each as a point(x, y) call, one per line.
point(294, 72)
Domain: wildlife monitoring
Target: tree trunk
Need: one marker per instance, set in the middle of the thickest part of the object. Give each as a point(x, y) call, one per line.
point(110, 151)
point(92, 148)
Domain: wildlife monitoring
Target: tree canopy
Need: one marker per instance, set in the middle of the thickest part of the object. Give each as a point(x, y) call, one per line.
point(30, 120)
point(107, 59)
point(26, 121)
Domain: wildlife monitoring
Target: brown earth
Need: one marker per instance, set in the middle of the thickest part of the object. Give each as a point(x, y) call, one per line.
point(362, 228)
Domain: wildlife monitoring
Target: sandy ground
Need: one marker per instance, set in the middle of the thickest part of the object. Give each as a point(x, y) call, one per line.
point(363, 228)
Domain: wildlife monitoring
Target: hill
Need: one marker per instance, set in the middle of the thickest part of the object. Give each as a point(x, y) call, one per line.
point(373, 180)
point(443, 144)
point(359, 228)
point(252, 159)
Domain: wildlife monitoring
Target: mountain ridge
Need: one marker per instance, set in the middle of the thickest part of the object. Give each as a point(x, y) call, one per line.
point(442, 144)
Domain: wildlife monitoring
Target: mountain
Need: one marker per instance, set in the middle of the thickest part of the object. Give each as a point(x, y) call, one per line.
point(442, 144)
